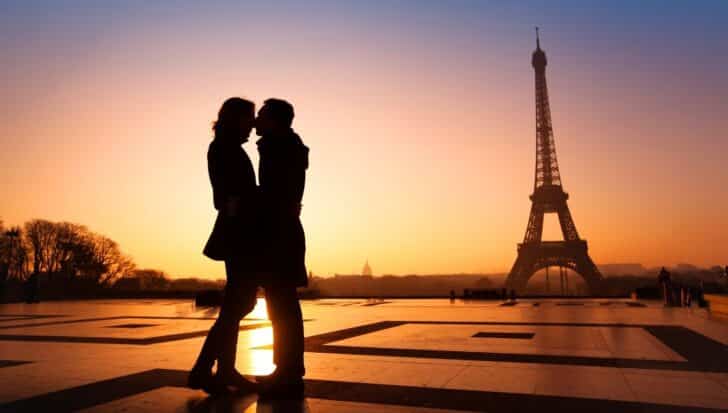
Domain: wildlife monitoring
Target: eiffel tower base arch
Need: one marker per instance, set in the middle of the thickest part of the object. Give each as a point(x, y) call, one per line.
point(539, 255)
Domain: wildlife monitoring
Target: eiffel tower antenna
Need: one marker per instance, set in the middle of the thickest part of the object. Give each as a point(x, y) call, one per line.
point(549, 197)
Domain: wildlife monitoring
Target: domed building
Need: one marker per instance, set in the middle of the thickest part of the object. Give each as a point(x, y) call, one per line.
point(367, 270)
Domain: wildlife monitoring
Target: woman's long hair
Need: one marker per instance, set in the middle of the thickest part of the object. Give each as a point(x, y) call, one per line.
point(229, 115)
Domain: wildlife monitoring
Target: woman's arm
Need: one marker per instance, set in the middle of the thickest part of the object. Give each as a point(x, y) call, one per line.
point(219, 171)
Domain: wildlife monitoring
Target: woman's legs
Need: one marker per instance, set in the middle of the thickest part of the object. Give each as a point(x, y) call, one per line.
point(241, 301)
point(221, 341)
point(208, 353)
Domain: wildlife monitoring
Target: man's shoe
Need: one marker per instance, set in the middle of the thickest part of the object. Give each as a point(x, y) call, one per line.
point(201, 380)
point(263, 380)
point(280, 374)
point(279, 389)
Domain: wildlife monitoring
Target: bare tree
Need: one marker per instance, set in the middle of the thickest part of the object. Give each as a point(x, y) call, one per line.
point(71, 249)
point(13, 253)
point(41, 235)
point(111, 262)
point(4, 264)
point(17, 254)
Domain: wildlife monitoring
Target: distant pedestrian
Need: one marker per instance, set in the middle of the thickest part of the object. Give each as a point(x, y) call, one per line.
point(666, 285)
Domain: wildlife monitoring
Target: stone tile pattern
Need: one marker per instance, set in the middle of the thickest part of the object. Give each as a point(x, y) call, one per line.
point(398, 355)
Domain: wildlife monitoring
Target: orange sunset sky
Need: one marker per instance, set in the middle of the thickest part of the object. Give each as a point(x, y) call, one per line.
point(419, 116)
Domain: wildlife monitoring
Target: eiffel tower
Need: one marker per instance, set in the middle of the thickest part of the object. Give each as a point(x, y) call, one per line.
point(549, 197)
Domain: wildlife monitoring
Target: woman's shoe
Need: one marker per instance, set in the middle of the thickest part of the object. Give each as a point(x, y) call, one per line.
point(202, 380)
point(280, 374)
point(241, 383)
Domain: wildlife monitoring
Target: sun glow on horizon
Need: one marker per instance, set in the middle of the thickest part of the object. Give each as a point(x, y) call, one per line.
point(419, 116)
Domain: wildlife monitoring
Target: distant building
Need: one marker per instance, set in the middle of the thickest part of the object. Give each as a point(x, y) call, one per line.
point(367, 270)
point(682, 267)
point(622, 269)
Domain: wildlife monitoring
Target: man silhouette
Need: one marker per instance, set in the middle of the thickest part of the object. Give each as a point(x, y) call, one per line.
point(282, 177)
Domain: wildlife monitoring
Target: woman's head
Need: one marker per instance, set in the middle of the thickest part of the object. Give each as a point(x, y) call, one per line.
point(235, 120)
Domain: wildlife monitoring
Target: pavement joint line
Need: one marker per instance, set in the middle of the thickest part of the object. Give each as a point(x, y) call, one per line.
point(120, 340)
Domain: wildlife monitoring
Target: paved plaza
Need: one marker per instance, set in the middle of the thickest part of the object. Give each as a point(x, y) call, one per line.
point(374, 356)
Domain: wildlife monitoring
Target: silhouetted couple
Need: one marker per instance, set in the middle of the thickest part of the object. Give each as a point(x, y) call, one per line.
point(258, 234)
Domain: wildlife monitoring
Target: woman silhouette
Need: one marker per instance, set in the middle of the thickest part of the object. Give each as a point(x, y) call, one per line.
point(232, 240)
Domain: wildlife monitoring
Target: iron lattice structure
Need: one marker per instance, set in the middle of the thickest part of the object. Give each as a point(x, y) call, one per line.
point(549, 197)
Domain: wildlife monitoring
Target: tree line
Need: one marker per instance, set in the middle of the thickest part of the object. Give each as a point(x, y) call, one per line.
point(60, 250)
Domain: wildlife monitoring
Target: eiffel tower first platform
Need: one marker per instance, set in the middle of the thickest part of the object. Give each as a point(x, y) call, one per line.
point(549, 197)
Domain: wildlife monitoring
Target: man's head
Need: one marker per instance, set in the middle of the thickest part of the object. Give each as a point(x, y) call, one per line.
point(275, 117)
